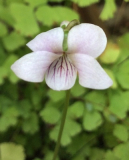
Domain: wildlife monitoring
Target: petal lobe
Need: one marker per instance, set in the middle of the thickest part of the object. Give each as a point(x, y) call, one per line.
point(33, 66)
point(88, 39)
point(61, 74)
point(91, 74)
point(50, 41)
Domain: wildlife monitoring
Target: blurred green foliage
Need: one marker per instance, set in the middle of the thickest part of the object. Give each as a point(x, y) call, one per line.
point(97, 125)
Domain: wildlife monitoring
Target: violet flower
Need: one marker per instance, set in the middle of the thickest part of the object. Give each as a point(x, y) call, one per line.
point(48, 60)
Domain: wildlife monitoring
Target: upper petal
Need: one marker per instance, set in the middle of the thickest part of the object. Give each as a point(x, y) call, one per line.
point(32, 67)
point(61, 74)
point(91, 74)
point(48, 41)
point(88, 39)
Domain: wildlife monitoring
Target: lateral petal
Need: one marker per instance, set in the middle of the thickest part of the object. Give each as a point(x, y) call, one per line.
point(50, 41)
point(33, 66)
point(87, 39)
point(91, 74)
point(61, 74)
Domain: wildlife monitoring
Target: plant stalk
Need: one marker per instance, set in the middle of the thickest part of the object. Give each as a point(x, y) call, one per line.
point(62, 124)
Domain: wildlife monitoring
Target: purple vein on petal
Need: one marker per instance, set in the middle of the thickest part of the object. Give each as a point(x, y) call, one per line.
point(61, 73)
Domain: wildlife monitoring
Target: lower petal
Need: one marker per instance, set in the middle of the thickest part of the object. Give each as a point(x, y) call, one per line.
point(91, 74)
point(32, 67)
point(61, 74)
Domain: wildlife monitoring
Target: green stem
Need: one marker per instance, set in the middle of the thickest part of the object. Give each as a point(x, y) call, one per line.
point(62, 124)
point(66, 31)
point(72, 24)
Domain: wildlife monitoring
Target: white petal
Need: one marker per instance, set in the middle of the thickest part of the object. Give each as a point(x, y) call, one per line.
point(87, 39)
point(48, 41)
point(61, 74)
point(91, 74)
point(32, 67)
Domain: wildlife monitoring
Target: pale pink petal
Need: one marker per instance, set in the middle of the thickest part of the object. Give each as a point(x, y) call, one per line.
point(33, 66)
point(91, 74)
point(50, 41)
point(87, 39)
point(61, 74)
point(64, 23)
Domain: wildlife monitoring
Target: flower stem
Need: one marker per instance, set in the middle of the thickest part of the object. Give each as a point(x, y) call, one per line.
point(66, 31)
point(72, 24)
point(62, 124)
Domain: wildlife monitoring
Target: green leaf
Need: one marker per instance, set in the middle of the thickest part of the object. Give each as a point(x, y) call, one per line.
point(65, 13)
point(109, 116)
point(71, 129)
point(56, 96)
point(89, 107)
point(3, 55)
point(110, 140)
point(25, 20)
point(36, 3)
point(6, 16)
point(55, 0)
point(111, 54)
point(41, 15)
point(36, 97)
point(8, 2)
point(11, 88)
point(122, 74)
point(122, 151)
point(97, 99)
point(49, 155)
point(11, 151)
point(110, 156)
point(20, 139)
point(24, 108)
point(83, 3)
point(121, 132)
point(13, 78)
point(3, 30)
point(76, 110)
point(6, 67)
point(54, 15)
point(97, 154)
point(119, 104)
point(77, 90)
point(13, 41)
point(108, 10)
point(91, 120)
point(5, 103)
point(30, 124)
point(123, 41)
point(3, 74)
point(10, 60)
point(50, 114)
point(80, 147)
point(111, 75)
point(9, 118)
